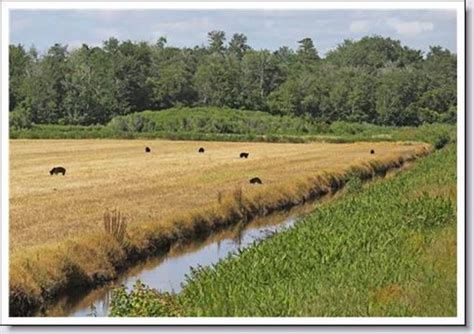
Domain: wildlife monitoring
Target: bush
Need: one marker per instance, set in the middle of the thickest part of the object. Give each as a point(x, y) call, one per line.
point(442, 140)
point(141, 302)
point(20, 118)
point(216, 121)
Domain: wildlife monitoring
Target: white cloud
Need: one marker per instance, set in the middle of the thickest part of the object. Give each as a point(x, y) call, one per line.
point(410, 28)
point(360, 26)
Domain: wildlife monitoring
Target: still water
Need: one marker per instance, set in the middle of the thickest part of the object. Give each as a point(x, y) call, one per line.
point(169, 272)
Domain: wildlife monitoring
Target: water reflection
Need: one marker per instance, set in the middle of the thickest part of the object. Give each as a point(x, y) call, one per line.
point(169, 272)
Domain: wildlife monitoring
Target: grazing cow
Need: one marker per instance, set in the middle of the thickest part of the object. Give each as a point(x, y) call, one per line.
point(372, 151)
point(244, 155)
point(255, 180)
point(58, 170)
point(147, 149)
point(201, 150)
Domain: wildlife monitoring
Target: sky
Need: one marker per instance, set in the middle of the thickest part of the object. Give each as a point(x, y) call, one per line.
point(265, 29)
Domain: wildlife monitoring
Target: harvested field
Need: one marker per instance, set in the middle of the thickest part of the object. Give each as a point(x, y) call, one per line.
point(57, 237)
point(172, 179)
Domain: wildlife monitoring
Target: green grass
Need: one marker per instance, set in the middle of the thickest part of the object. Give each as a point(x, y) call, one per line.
point(220, 124)
point(386, 250)
point(54, 131)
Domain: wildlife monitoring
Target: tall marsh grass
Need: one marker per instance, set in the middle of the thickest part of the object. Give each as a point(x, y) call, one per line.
point(115, 224)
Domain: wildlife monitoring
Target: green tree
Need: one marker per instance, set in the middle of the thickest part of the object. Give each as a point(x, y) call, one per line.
point(374, 79)
point(47, 86)
point(307, 53)
point(216, 41)
point(260, 76)
point(238, 45)
point(91, 95)
point(217, 81)
point(132, 68)
point(361, 98)
point(373, 52)
point(171, 78)
point(20, 63)
point(396, 97)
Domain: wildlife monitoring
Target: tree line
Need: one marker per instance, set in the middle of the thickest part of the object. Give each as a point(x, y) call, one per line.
point(375, 80)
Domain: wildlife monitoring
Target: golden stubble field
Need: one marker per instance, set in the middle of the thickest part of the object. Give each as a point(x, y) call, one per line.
point(151, 187)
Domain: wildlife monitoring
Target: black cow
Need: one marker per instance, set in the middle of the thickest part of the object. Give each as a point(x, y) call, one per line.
point(255, 180)
point(58, 170)
point(147, 149)
point(244, 155)
point(372, 151)
point(201, 150)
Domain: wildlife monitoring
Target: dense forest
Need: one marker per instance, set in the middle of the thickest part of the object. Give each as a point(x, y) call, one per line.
point(375, 80)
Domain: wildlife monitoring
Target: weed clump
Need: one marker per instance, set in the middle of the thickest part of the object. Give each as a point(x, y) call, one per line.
point(115, 224)
point(441, 141)
point(141, 302)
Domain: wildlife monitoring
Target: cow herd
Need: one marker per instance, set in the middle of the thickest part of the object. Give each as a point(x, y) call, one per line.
point(245, 155)
point(255, 180)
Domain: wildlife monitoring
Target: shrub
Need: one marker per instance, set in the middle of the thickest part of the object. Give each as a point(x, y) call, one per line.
point(141, 302)
point(20, 118)
point(441, 141)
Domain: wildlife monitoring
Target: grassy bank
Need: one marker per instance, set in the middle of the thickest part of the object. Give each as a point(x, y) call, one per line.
point(222, 124)
point(47, 270)
point(388, 249)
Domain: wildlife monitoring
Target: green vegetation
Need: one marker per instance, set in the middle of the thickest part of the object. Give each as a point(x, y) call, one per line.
point(236, 125)
point(388, 250)
point(215, 120)
point(385, 249)
point(53, 131)
point(374, 80)
point(142, 301)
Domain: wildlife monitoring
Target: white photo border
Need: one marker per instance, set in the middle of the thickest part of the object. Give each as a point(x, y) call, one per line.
point(461, 146)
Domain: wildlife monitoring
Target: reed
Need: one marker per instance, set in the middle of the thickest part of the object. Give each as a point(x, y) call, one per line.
point(115, 224)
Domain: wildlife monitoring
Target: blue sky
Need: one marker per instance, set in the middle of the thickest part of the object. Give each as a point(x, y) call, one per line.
point(267, 29)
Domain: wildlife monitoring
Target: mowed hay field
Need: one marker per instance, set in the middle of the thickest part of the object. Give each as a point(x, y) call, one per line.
point(174, 178)
point(57, 236)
